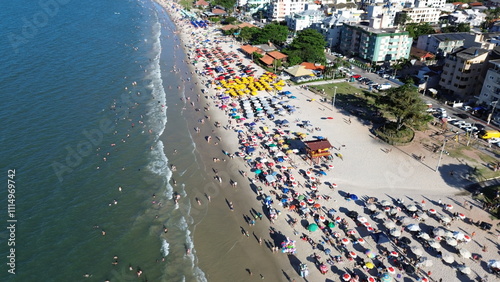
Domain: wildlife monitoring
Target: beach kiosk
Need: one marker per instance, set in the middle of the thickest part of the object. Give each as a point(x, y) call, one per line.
point(318, 148)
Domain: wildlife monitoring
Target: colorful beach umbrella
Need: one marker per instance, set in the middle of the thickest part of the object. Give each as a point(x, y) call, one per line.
point(312, 227)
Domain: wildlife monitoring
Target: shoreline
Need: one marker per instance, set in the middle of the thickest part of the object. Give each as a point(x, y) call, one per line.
point(230, 256)
point(216, 216)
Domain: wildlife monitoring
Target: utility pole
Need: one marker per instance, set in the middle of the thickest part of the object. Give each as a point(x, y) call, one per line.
point(491, 114)
point(334, 94)
point(441, 155)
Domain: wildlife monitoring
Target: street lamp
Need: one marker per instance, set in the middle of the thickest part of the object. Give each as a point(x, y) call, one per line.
point(491, 114)
point(334, 94)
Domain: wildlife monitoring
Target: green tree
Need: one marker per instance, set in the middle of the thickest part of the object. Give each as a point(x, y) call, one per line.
point(229, 20)
point(294, 59)
point(248, 33)
point(415, 30)
point(461, 27)
point(401, 18)
point(228, 4)
point(309, 45)
point(404, 103)
point(273, 32)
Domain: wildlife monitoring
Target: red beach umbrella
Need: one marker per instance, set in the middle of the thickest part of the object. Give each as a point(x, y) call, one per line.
point(367, 224)
point(353, 254)
point(391, 270)
point(346, 277)
point(361, 241)
point(351, 232)
point(346, 241)
point(432, 211)
point(302, 204)
point(461, 216)
point(394, 254)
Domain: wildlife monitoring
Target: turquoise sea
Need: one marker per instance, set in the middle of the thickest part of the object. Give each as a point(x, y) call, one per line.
point(88, 89)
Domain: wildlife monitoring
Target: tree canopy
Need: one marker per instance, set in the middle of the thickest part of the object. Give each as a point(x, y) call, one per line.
point(228, 4)
point(405, 104)
point(308, 46)
point(273, 32)
point(415, 30)
point(461, 27)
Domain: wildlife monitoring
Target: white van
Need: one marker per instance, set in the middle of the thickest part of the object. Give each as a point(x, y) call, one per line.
point(384, 86)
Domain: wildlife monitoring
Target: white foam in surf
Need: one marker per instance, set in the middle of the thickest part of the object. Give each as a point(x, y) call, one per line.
point(165, 247)
point(158, 104)
point(159, 166)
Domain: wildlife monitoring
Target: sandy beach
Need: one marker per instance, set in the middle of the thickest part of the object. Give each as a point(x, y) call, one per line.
point(231, 247)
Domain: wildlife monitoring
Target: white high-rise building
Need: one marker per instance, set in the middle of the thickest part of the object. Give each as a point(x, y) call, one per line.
point(430, 3)
point(279, 9)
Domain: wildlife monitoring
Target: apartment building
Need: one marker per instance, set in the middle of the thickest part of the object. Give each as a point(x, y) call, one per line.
point(430, 3)
point(252, 6)
point(490, 91)
point(279, 9)
point(422, 15)
point(463, 71)
point(444, 43)
point(304, 19)
point(375, 45)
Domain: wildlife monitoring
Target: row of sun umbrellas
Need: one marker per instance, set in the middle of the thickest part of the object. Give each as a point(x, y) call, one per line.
point(250, 85)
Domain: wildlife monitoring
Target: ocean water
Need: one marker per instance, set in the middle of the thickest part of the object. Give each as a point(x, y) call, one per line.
point(88, 89)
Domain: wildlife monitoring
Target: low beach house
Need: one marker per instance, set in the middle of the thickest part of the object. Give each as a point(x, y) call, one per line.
point(317, 149)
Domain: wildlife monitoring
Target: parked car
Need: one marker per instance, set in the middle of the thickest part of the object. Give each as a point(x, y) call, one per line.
point(458, 122)
point(467, 108)
point(470, 129)
point(493, 140)
point(384, 86)
point(465, 125)
point(386, 76)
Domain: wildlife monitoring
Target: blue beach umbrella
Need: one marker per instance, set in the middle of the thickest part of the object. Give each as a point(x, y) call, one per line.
point(354, 197)
point(385, 277)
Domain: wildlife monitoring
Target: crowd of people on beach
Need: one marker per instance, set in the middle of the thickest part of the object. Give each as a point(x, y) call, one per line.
point(298, 191)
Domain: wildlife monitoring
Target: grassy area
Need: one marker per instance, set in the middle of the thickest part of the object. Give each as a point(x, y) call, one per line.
point(342, 88)
point(188, 5)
